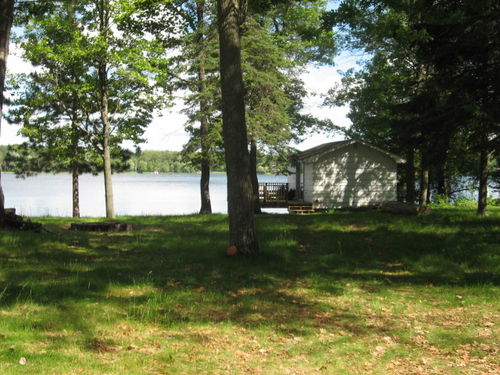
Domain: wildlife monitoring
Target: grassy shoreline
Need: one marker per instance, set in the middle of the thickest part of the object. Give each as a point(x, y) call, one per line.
point(340, 293)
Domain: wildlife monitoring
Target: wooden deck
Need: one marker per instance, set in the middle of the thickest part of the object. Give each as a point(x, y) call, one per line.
point(273, 194)
point(277, 195)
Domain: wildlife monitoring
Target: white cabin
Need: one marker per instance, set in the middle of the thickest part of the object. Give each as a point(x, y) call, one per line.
point(341, 174)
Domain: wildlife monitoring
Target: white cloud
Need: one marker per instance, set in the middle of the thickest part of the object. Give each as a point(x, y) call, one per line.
point(318, 80)
point(167, 132)
point(15, 64)
point(8, 135)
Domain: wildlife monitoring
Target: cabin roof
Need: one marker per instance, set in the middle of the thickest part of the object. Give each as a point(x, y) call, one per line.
point(332, 146)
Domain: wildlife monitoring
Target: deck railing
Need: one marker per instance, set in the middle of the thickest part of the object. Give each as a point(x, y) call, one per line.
point(273, 192)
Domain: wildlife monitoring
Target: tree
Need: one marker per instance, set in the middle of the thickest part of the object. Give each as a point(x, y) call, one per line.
point(266, 96)
point(53, 102)
point(242, 232)
point(6, 21)
point(463, 47)
point(186, 28)
point(206, 207)
point(279, 39)
point(128, 79)
point(270, 77)
point(425, 82)
point(96, 87)
point(197, 64)
point(6, 16)
point(381, 93)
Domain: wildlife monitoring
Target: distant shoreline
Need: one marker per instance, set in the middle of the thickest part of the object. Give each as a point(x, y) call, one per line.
point(134, 194)
point(135, 173)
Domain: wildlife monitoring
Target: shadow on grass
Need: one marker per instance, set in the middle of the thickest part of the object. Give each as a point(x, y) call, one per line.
point(186, 277)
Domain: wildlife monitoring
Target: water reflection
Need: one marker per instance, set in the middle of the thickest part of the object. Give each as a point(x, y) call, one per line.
point(135, 194)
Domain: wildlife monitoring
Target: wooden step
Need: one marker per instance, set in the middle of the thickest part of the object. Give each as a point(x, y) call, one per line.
point(301, 209)
point(300, 206)
point(301, 212)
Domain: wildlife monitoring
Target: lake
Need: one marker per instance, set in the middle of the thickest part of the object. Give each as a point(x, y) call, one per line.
point(134, 194)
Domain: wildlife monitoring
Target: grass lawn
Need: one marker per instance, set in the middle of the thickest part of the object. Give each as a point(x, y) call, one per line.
point(339, 293)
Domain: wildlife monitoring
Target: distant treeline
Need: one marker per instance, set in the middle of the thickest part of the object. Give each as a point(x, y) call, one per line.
point(3, 151)
point(161, 162)
point(146, 161)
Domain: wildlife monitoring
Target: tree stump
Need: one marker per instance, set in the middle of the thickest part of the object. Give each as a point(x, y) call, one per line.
point(13, 221)
point(102, 227)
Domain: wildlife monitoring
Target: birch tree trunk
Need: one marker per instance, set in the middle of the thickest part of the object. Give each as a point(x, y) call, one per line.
point(75, 171)
point(242, 232)
point(106, 157)
point(76, 188)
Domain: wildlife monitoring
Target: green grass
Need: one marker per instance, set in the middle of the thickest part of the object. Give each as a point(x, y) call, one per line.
point(338, 293)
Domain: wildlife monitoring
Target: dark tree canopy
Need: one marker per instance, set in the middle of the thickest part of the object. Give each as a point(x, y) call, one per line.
point(429, 88)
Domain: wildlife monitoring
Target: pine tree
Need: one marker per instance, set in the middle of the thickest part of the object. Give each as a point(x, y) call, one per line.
point(242, 233)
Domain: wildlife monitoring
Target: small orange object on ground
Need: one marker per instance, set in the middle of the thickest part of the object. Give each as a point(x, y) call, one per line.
point(232, 250)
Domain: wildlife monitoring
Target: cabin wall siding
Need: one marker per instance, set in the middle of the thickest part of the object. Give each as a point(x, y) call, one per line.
point(292, 177)
point(308, 182)
point(353, 176)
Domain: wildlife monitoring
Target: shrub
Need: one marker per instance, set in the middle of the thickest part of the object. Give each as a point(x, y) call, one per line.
point(493, 201)
point(465, 203)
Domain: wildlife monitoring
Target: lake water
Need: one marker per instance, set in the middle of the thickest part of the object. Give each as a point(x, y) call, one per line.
point(134, 194)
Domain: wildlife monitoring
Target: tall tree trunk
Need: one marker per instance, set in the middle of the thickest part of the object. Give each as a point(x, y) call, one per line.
point(102, 72)
point(484, 160)
point(429, 185)
point(206, 206)
point(255, 180)
point(242, 232)
point(424, 183)
point(411, 194)
point(6, 16)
